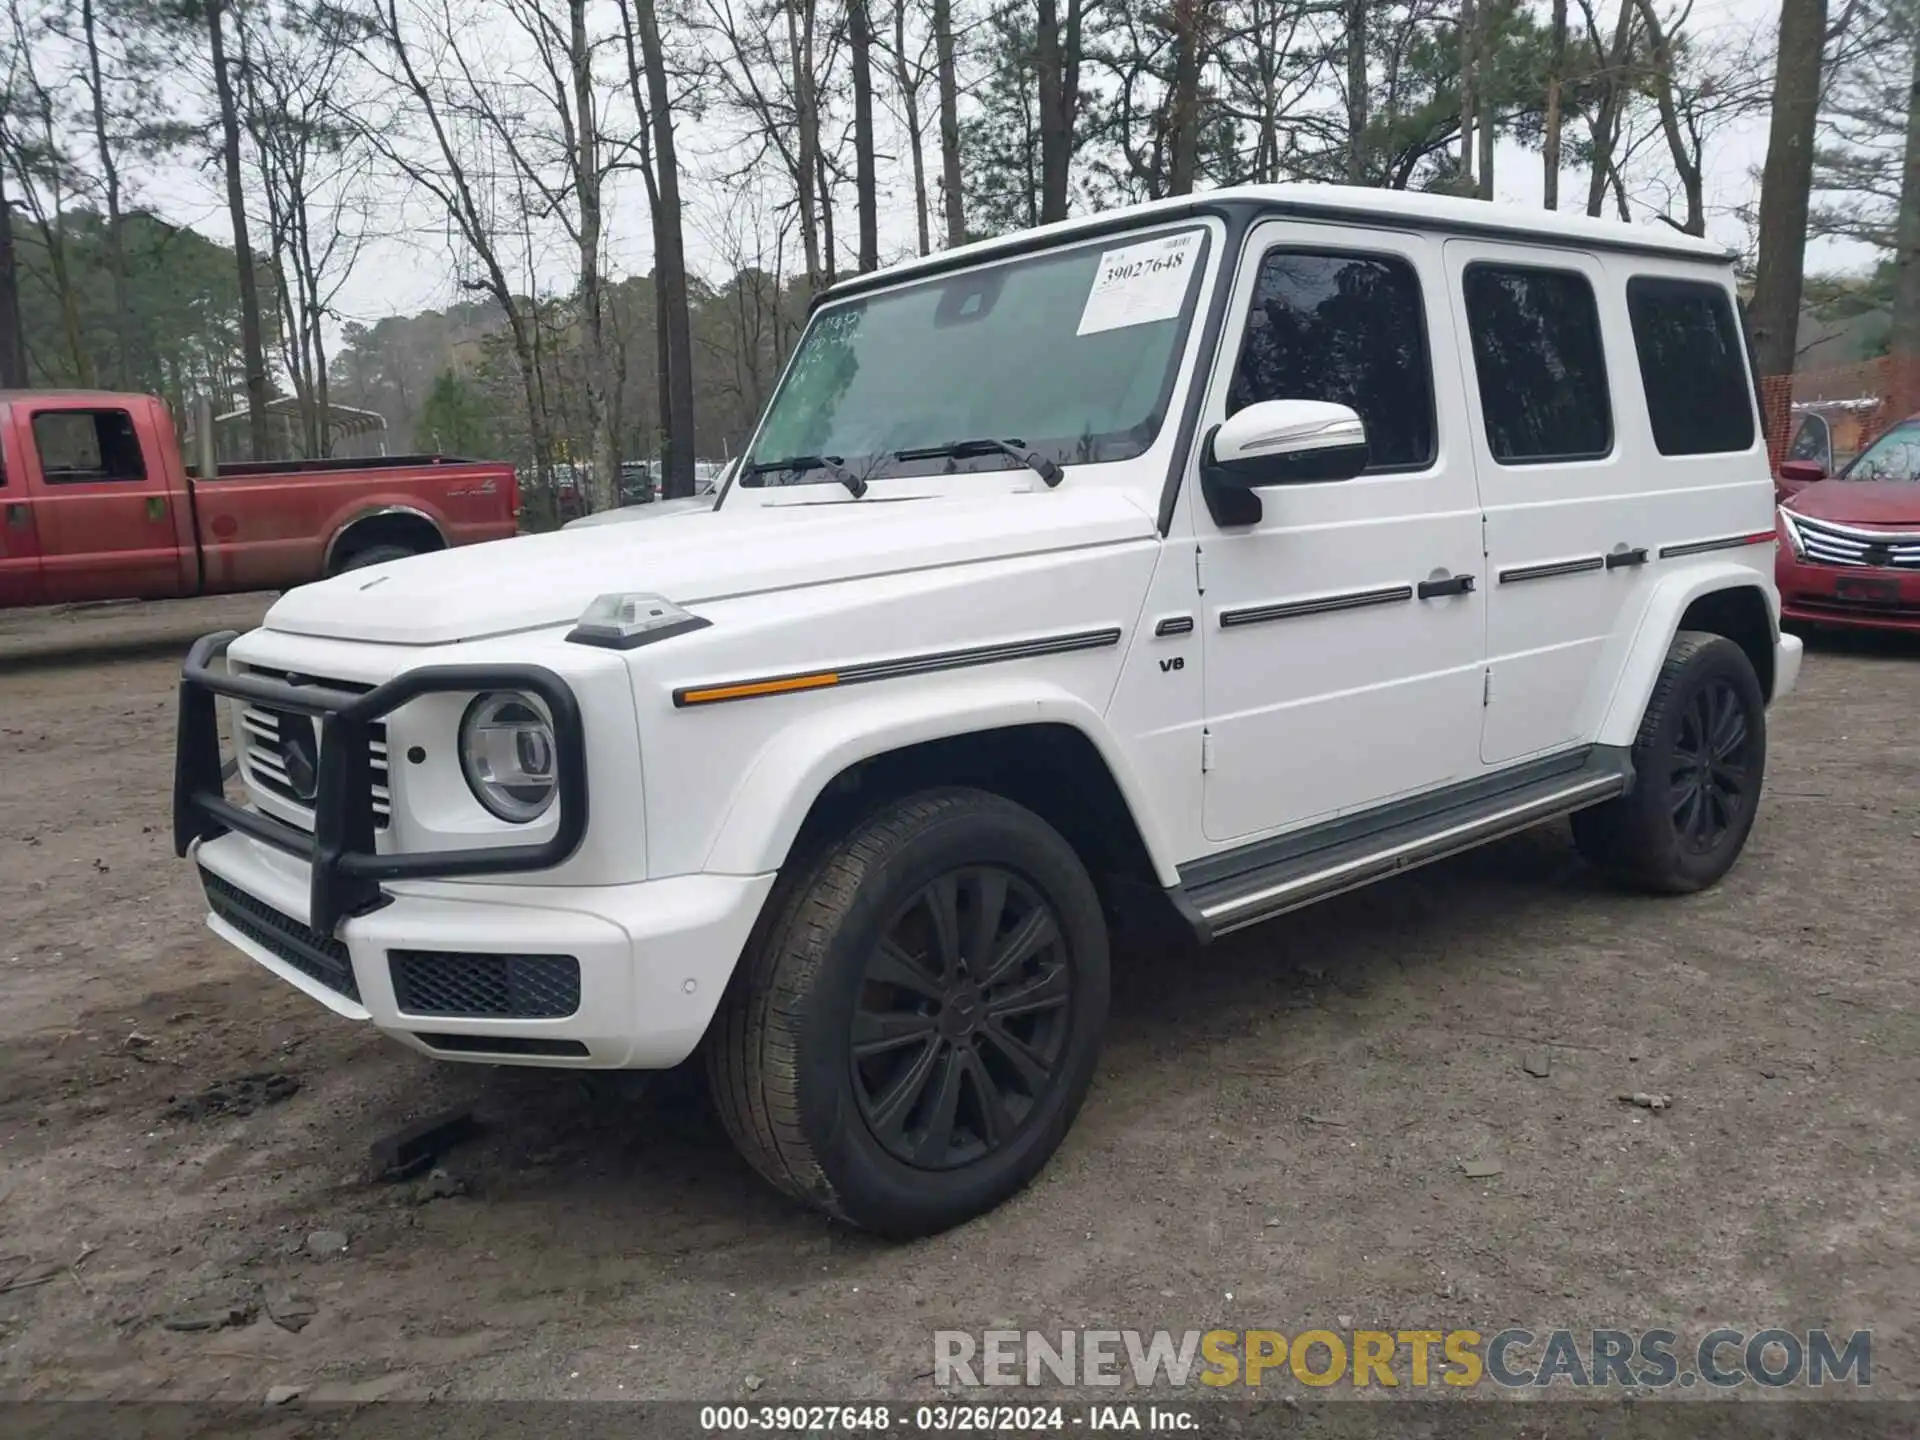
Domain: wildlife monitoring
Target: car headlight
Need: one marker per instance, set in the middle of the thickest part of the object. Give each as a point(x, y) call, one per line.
point(507, 753)
point(1793, 535)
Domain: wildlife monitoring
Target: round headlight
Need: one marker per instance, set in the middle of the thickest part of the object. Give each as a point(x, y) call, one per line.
point(507, 755)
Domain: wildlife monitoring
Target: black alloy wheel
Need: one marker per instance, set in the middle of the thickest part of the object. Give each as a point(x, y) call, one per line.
point(962, 1018)
point(1710, 760)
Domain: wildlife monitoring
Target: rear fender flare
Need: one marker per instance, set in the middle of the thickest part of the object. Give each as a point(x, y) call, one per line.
point(375, 512)
point(1659, 622)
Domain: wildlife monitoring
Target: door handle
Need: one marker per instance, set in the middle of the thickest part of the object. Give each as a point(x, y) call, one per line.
point(1623, 556)
point(1452, 585)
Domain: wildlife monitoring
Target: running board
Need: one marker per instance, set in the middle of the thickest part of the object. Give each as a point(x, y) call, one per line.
point(1243, 887)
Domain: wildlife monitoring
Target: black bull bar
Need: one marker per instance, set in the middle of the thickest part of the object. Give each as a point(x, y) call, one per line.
point(346, 867)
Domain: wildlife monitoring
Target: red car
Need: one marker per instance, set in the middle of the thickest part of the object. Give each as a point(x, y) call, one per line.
point(1849, 552)
point(96, 504)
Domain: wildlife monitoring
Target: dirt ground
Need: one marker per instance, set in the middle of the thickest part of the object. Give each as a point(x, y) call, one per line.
point(1276, 1137)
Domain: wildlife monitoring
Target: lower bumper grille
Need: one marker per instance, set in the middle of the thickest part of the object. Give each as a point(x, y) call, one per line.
point(506, 987)
point(318, 957)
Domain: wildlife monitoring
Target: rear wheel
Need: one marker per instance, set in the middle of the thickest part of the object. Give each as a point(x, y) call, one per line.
point(915, 1023)
point(1698, 761)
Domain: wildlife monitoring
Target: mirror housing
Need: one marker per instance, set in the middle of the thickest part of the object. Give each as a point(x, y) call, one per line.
point(1278, 442)
point(1801, 472)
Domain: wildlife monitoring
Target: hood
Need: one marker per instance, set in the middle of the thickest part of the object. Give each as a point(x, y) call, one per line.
point(658, 509)
point(1894, 503)
point(542, 580)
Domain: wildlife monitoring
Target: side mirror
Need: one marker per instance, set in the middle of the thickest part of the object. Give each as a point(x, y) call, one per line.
point(1278, 442)
point(1796, 473)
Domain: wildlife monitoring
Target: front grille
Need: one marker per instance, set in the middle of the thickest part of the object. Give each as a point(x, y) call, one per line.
point(1828, 543)
point(507, 987)
point(275, 755)
point(318, 957)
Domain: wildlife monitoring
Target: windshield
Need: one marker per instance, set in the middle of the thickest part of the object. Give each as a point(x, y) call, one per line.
point(1070, 354)
point(1894, 456)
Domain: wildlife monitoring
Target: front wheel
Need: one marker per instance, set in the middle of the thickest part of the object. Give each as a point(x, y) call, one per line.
point(1698, 762)
point(916, 1020)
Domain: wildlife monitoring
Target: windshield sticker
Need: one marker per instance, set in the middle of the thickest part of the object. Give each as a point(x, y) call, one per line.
point(1140, 283)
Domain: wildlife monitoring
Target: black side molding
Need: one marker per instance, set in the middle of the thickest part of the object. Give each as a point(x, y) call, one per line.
point(1291, 609)
point(1550, 570)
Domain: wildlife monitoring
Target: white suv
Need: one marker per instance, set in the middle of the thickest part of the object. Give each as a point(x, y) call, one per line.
point(1246, 547)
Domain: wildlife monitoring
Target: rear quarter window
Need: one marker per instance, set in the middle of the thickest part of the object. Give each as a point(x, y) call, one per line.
point(1691, 366)
point(1540, 363)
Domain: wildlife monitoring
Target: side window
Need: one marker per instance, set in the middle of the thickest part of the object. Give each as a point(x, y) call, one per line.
point(1894, 456)
point(1813, 441)
point(1348, 329)
point(1542, 372)
point(1691, 366)
point(80, 447)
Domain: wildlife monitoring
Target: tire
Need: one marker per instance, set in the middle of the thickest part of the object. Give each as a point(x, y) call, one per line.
point(1693, 804)
point(373, 555)
point(827, 1126)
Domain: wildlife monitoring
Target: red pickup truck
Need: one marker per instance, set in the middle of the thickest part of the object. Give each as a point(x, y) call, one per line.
point(96, 504)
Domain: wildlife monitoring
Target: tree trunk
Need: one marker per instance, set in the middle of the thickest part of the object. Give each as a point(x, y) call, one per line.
point(1183, 106)
point(1550, 141)
point(806, 163)
point(1469, 56)
point(1607, 126)
point(13, 343)
point(1774, 312)
point(866, 195)
point(669, 267)
point(1356, 92)
point(909, 87)
point(122, 367)
point(1904, 342)
point(602, 443)
point(253, 352)
point(1058, 72)
point(1485, 133)
point(949, 124)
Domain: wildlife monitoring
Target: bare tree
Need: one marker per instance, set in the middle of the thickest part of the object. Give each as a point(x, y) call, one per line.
point(866, 192)
point(13, 344)
point(1785, 184)
point(909, 77)
point(1469, 62)
point(252, 344)
point(1556, 78)
point(952, 195)
point(1356, 91)
point(660, 165)
point(1057, 64)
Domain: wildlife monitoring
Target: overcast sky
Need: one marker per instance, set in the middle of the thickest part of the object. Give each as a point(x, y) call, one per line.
point(416, 272)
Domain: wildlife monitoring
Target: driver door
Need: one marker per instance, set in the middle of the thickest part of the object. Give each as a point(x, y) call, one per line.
point(1332, 683)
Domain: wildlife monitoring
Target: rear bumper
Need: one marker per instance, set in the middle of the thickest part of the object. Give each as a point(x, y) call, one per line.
point(654, 957)
point(1817, 595)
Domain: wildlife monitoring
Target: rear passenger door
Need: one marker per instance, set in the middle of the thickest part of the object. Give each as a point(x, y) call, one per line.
point(1568, 535)
point(107, 527)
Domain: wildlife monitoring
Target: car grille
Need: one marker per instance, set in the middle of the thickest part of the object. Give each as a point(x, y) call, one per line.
point(276, 761)
point(508, 987)
point(1827, 543)
point(318, 957)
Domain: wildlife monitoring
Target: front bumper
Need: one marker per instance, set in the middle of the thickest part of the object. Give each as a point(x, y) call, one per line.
point(1844, 596)
point(344, 866)
point(654, 957)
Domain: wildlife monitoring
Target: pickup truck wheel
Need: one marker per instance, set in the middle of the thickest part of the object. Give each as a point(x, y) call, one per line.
point(915, 1023)
point(374, 555)
point(1698, 765)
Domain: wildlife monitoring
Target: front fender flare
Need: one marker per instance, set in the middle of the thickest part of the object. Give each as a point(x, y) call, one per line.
point(1658, 623)
point(799, 761)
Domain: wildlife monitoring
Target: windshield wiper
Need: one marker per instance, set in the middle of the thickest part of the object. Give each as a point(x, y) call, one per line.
point(832, 464)
point(987, 445)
